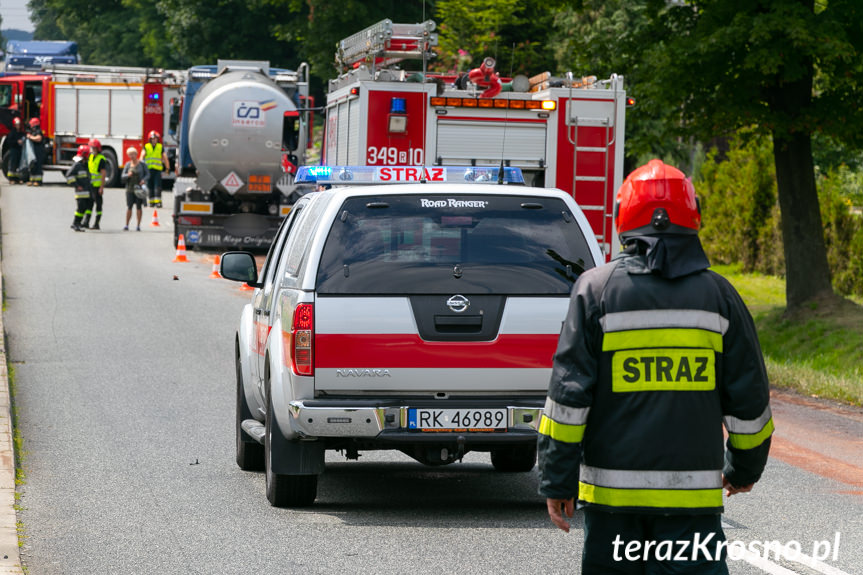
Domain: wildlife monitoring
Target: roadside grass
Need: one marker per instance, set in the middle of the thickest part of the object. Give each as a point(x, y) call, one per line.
point(18, 446)
point(818, 351)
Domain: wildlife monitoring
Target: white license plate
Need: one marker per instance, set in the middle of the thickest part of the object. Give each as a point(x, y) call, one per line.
point(457, 419)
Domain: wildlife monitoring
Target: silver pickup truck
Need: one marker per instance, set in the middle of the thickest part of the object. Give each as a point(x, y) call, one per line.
point(420, 317)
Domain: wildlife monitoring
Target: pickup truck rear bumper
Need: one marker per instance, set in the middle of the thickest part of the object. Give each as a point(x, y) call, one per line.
point(361, 419)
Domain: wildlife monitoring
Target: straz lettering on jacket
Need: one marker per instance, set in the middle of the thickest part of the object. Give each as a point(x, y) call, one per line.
point(663, 357)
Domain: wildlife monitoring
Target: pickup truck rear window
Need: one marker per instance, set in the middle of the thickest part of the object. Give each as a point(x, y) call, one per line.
point(456, 243)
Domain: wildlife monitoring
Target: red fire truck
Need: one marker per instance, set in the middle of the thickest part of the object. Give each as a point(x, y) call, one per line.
point(565, 133)
point(116, 105)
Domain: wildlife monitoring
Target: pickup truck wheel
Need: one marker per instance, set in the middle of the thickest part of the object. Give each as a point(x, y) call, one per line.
point(514, 459)
point(285, 490)
point(250, 453)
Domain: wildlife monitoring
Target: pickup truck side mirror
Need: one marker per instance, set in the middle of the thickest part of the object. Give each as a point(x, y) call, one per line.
point(239, 267)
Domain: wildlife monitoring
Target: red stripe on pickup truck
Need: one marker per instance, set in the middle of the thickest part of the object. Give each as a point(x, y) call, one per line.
point(408, 350)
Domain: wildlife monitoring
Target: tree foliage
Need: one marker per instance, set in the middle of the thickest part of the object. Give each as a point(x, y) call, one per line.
point(513, 32)
point(740, 211)
point(787, 68)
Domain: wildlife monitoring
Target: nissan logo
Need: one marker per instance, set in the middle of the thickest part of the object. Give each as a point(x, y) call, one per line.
point(458, 303)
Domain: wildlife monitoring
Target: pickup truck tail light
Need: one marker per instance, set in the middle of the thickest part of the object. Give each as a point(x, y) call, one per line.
point(301, 341)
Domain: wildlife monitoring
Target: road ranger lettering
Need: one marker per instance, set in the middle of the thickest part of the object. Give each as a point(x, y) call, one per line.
point(663, 369)
point(466, 203)
point(363, 373)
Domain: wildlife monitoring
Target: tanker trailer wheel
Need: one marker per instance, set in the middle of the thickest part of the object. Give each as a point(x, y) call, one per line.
point(112, 178)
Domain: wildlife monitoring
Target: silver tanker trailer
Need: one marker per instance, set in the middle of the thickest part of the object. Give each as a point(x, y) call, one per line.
point(242, 131)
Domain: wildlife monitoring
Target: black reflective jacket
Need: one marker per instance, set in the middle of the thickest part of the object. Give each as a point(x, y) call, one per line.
point(655, 354)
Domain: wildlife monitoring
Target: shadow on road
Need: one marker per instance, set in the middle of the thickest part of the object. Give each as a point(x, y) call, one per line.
point(461, 495)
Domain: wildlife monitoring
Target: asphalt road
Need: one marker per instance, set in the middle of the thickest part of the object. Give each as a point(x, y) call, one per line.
point(125, 398)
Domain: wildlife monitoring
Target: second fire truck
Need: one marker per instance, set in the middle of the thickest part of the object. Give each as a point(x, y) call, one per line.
point(565, 133)
point(74, 103)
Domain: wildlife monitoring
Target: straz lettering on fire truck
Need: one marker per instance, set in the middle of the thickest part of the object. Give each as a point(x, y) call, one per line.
point(663, 370)
point(453, 203)
point(410, 174)
point(362, 373)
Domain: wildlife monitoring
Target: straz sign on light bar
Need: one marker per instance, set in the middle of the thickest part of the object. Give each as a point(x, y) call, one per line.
point(410, 174)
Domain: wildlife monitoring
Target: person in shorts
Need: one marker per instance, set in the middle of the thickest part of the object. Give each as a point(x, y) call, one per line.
point(134, 176)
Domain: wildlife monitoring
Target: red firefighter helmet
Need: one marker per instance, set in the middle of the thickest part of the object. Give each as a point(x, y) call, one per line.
point(83, 151)
point(16, 122)
point(656, 198)
point(154, 134)
point(34, 122)
point(95, 145)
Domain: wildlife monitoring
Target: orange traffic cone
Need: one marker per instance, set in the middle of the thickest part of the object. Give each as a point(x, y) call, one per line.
point(155, 222)
point(215, 273)
point(246, 287)
point(181, 250)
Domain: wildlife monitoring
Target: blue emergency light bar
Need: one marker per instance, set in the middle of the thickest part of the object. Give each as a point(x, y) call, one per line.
point(353, 175)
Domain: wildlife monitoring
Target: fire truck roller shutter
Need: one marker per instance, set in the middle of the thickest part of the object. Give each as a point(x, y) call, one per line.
point(463, 141)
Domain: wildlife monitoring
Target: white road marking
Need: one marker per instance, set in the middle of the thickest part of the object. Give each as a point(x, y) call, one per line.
point(770, 567)
point(764, 564)
point(819, 566)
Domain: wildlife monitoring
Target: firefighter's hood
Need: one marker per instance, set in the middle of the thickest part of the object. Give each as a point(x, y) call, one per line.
point(667, 255)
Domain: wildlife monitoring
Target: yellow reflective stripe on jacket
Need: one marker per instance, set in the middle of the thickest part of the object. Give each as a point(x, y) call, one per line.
point(93, 166)
point(664, 337)
point(751, 440)
point(153, 156)
point(563, 432)
point(656, 498)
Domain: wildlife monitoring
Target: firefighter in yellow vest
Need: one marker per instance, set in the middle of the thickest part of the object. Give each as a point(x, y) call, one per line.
point(98, 177)
point(157, 162)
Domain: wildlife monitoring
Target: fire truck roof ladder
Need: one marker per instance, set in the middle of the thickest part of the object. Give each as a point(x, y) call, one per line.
point(386, 43)
point(573, 122)
point(137, 73)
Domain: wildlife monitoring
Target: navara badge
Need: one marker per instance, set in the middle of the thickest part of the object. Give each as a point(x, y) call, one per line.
point(458, 303)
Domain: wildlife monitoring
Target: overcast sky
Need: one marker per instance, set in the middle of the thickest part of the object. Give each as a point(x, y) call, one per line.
point(15, 15)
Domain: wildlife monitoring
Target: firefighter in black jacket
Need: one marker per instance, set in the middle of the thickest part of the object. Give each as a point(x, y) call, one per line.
point(16, 143)
point(79, 177)
point(37, 141)
point(655, 354)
